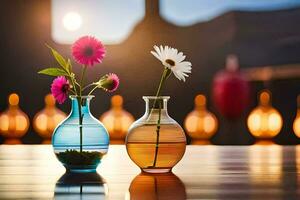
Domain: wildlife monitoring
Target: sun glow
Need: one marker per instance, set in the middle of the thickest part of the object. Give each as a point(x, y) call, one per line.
point(72, 21)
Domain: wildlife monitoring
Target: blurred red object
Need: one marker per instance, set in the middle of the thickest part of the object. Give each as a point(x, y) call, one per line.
point(231, 90)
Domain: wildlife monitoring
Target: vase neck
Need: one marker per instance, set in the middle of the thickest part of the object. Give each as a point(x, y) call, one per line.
point(154, 104)
point(83, 103)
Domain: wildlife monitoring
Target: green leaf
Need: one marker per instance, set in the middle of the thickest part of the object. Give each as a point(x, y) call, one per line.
point(69, 65)
point(53, 72)
point(59, 58)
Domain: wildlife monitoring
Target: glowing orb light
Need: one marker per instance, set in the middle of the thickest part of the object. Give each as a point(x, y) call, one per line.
point(14, 123)
point(200, 123)
point(264, 121)
point(72, 21)
point(46, 120)
point(296, 124)
point(117, 120)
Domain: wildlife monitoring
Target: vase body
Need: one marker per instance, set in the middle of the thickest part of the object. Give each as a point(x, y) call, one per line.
point(80, 144)
point(156, 147)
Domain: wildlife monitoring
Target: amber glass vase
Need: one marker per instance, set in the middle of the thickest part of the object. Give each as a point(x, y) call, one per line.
point(156, 142)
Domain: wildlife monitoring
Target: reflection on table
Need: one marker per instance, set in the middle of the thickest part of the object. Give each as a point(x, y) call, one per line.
point(265, 162)
point(12, 141)
point(156, 186)
point(205, 172)
point(80, 186)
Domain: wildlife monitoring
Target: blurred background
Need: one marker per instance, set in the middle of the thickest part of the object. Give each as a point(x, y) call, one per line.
point(258, 41)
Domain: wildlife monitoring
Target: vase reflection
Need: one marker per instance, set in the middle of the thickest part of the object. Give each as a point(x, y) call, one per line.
point(264, 142)
point(46, 141)
point(12, 141)
point(156, 186)
point(200, 142)
point(80, 186)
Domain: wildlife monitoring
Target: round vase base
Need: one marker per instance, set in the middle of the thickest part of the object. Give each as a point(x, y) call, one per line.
point(156, 170)
point(81, 170)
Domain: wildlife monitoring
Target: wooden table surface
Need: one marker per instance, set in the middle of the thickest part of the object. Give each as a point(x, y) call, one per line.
point(205, 172)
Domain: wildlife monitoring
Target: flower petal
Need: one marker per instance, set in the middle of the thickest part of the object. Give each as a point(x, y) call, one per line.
point(59, 89)
point(156, 55)
point(87, 50)
point(157, 50)
point(176, 75)
point(181, 68)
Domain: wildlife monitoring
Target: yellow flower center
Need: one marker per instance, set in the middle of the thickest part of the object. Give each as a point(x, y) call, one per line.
point(170, 62)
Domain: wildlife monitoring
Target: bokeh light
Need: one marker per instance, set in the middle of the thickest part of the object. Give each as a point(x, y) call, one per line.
point(72, 21)
point(117, 120)
point(264, 121)
point(14, 123)
point(200, 123)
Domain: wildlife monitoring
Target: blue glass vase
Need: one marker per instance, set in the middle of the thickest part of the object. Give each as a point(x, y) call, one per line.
point(80, 141)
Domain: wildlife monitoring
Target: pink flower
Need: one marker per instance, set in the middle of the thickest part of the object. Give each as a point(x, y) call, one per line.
point(87, 50)
point(110, 82)
point(59, 89)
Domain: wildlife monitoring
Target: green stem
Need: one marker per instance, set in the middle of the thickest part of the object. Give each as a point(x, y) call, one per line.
point(87, 86)
point(72, 91)
point(79, 100)
point(98, 85)
point(157, 134)
point(74, 85)
point(93, 90)
point(159, 87)
point(82, 78)
point(161, 82)
point(163, 78)
point(77, 84)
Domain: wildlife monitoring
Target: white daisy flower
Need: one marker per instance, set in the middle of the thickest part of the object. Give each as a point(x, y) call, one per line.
point(174, 60)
